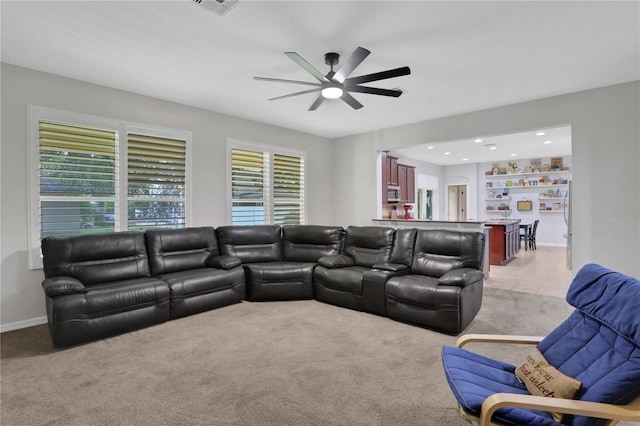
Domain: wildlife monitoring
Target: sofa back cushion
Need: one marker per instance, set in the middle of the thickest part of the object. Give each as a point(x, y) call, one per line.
point(308, 243)
point(368, 245)
point(172, 250)
point(96, 258)
point(403, 242)
point(251, 244)
point(437, 252)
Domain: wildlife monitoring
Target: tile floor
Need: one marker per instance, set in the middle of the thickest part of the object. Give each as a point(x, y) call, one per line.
point(542, 271)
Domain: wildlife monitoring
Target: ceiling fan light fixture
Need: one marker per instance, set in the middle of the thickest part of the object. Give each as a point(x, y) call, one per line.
point(332, 92)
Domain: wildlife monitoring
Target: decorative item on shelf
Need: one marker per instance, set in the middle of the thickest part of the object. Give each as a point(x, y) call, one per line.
point(528, 170)
point(407, 209)
point(525, 205)
point(543, 206)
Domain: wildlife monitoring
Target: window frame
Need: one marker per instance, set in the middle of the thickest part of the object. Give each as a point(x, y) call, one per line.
point(271, 150)
point(122, 128)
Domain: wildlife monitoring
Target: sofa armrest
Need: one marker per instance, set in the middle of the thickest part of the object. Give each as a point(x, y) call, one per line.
point(391, 267)
point(60, 286)
point(223, 262)
point(338, 261)
point(461, 277)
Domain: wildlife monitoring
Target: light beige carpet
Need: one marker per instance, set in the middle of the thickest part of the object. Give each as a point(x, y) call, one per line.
point(274, 363)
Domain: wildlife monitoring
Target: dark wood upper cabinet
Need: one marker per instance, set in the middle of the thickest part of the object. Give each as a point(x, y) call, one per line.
point(393, 171)
point(398, 175)
point(407, 182)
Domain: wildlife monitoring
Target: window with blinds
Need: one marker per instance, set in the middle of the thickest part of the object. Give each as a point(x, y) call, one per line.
point(77, 179)
point(156, 169)
point(266, 187)
point(288, 190)
point(90, 175)
point(249, 187)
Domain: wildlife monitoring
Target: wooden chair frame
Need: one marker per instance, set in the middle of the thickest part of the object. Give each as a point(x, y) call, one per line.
point(615, 413)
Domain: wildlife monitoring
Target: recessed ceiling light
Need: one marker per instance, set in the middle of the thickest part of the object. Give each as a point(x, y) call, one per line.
point(431, 147)
point(493, 147)
point(465, 159)
point(540, 134)
point(514, 155)
point(547, 142)
point(447, 153)
point(478, 140)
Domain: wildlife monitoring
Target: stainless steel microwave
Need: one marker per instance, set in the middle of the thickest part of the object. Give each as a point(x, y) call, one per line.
point(393, 193)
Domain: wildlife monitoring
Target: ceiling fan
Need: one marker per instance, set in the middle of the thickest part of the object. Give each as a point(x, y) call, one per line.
point(336, 84)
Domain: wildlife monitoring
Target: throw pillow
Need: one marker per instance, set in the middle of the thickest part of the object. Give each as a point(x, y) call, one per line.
point(542, 379)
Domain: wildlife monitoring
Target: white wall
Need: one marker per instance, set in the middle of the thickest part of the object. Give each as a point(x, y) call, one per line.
point(22, 298)
point(552, 226)
point(605, 155)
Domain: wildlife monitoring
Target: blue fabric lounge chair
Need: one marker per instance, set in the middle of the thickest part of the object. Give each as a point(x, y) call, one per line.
point(598, 345)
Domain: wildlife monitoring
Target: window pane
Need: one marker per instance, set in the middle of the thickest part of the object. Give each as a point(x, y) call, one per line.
point(75, 217)
point(249, 187)
point(144, 214)
point(77, 177)
point(156, 182)
point(288, 189)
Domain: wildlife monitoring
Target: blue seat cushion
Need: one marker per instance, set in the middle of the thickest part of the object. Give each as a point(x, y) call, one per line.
point(473, 378)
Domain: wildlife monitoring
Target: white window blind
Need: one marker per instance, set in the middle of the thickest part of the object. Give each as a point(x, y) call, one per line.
point(249, 187)
point(267, 186)
point(288, 189)
point(91, 174)
point(156, 182)
point(77, 179)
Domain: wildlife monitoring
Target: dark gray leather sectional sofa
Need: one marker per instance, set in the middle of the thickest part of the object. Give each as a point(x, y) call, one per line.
point(105, 284)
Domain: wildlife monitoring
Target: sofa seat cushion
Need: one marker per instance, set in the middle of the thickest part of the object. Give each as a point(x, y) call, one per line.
point(347, 279)
point(473, 378)
point(112, 298)
point(201, 289)
point(194, 282)
point(415, 290)
point(280, 280)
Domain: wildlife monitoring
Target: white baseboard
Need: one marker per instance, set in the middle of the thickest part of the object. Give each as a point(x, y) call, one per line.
point(23, 324)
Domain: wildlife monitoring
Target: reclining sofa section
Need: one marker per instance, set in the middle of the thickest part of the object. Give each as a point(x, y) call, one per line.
point(105, 284)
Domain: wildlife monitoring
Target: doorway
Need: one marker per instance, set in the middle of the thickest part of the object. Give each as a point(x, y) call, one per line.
point(457, 207)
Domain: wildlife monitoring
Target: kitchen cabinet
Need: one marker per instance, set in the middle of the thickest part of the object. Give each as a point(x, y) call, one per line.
point(398, 175)
point(504, 241)
point(392, 164)
point(407, 182)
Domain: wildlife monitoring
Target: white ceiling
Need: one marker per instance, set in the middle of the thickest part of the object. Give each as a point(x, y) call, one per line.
point(464, 56)
point(555, 142)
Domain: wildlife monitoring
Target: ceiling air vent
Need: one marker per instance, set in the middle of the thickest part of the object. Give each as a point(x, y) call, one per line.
point(218, 6)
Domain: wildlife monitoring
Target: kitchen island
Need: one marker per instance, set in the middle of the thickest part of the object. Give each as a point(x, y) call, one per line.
point(505, 240)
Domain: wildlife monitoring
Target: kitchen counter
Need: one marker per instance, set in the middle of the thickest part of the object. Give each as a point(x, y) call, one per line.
point(431, 224)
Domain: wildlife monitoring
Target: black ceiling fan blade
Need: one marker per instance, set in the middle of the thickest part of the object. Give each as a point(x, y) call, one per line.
point(351, 64)
point(307, 66)
point(314, 106)
point(351, 101)
point(296, 94)
point(375, 91)
point(398, 72)
point(280, 80)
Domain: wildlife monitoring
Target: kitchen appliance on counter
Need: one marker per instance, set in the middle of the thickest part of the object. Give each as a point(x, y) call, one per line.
point(393, 193)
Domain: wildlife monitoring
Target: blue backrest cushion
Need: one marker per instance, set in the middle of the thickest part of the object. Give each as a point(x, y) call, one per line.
point(599, 343)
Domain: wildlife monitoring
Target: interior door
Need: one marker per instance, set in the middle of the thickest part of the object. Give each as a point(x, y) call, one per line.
point(457, 210)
